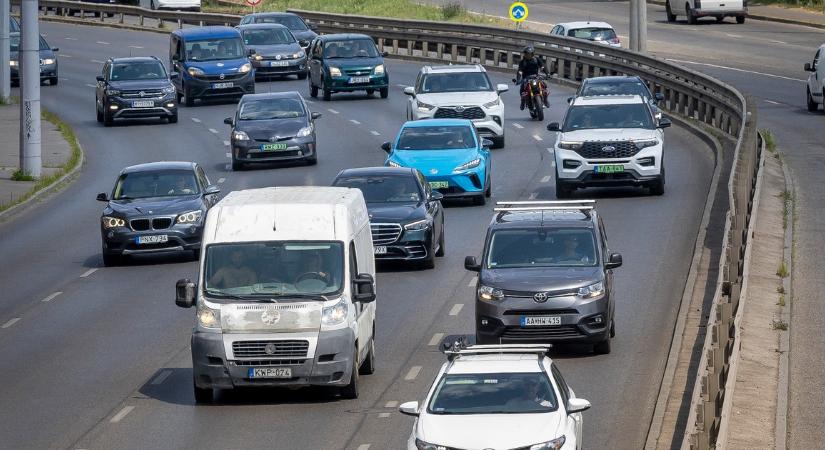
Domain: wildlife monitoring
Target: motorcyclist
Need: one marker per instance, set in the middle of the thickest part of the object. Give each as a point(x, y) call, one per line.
point(528, 66)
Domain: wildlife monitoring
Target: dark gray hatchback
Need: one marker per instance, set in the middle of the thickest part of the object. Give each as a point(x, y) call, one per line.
point(546, 276)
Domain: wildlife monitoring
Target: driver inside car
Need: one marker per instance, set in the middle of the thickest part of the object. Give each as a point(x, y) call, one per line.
point(313, 269)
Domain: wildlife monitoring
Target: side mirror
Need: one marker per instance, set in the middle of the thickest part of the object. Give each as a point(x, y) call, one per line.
point(409, 90)
point(55, 49)
point(211, 190)
point(315, 115)
point(100, 78)
point(575, 405)
point(658, 97)
point(664, 122)
point(102, 197)
point(250, 52)
point(501, 88)
point(553, 126)
point(386, 147)
point(185, 293)
point(312, 26)
point(436, 196)
point(228, 121)
point(364, 285)
point(385, 54)
point(570, 100)
point(808, 67)
point(471, 264)
point(614, 262)
point(409, 408)
point(174, 76)
point(486, 143)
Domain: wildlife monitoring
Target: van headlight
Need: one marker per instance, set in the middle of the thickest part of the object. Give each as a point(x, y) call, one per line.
point(488, 293)
point(240, 136)
point(195, 72)
point(189, 217)
point(245, 68)
point(595, 290)
point(418, 225)
point(468, 165)
point(570, 145)
point(645, 143)
point(113, 222)
point(335, 314)
point(208, 317)
point(493, 103)
point(305, 131)
point(379, 69)
point(334, 72)
point(555, 444)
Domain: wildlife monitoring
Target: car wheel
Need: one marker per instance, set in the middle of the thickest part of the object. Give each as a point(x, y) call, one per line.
point(612, 329)
point(302, 76)
point(173, 118)
point(312, 161)
point(562, 191)
point(385, 92)
point(498, 142)
point(670, 16)
point(489, 191)
point(53, 80)
point(368, 366)
point(441, 239)
point(480, 200)
point(691, 17)
point(237, 165)
point(108, 120)
point(313, 90)
point(100, 114)
point(178, 96)
point(602, 348)
point(812, 106)
point(327, 94)
point(720, 19)
point(188, 99)
point(202, 395)
point(350, 391)
point(658, 187)
point(110, 260)
point(740, 19)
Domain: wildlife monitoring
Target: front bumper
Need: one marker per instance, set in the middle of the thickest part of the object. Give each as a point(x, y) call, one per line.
point(410, 246)
point(490, 126)
point(342, 83)
point(584, 174)
point(205, 88)
point(467, 183)
point(500, 321)
point(122, 108)
point(123, 241)
point(264, 68)
point(46, 71)
point(330, 366)
point(302, 148)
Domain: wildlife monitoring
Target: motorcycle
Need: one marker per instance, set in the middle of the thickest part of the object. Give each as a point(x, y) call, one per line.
point(534, 95)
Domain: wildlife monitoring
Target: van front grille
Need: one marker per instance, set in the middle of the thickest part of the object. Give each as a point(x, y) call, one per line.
point(270, 349)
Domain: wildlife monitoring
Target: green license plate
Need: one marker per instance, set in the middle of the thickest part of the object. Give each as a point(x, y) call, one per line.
point(439, 184)
point(610, 168)
point(272, 147)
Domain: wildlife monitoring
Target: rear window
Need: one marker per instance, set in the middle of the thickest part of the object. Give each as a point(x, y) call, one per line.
point(623, 88)
point(593, 34)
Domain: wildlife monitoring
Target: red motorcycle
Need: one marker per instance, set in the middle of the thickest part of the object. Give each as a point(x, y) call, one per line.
point(534, 94)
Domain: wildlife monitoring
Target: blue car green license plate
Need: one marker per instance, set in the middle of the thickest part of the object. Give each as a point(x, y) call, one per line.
point(439, 184)
point(272, 147)
point(609, 168)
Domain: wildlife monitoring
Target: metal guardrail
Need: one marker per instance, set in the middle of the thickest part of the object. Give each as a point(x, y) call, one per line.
point(687, 93)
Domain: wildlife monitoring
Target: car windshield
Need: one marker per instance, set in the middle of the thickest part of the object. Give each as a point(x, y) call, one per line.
point(267, 36)
point(214, 49)
point(494, 393)
point(436, 138)
point(541, 247)
point(156, 183)
point(274, 268)
point(455, 82)
point(630, 115)
point(384, 188)
point(593, 34)
point(150, 70)
point(14, 43)
point(621, 88)
point(292, 22)
point(271, 108)
point(356, 48)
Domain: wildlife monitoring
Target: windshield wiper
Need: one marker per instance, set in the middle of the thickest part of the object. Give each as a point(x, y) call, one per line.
point(232, 296)
point(299, 295)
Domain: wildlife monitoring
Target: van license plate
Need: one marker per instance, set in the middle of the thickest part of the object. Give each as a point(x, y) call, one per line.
point(380, 249)
point(354, 80)
point(143, 104)
point(270, 372)
point(226, 85)
point(609, 168)
point(537, 321)
point(157, 239)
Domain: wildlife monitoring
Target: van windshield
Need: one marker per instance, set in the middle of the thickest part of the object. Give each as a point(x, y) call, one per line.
point(540, 247)
point(271, 269)
point(214, 49)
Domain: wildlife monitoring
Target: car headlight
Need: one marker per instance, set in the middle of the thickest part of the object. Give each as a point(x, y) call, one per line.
point(300, 54)
point(468, 165)
point(169, 89)
point(645, 143)
point(189, 217)
point(335, 314)
point(208, 317)
point(570, 145)
point(240, 136)
point(113, 222)
point(493, 103)
point(48, 62)
point(379, 69)
point(555, 444)
point(305, 131)
point(13, 63)
point(593, 291)
point(195, 72)
point(421, 445)
point(258, 57)
point(425, 107)
point(393, 164)
point(488, 293)
point(112, 92)
point(418, 225)
point(245, 68)
point(334, 72)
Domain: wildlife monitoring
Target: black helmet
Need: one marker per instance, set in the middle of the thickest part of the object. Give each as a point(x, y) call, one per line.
point(529, 50)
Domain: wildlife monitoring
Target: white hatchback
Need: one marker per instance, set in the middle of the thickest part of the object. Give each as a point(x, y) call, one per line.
point(498, 397)
point(598, 32)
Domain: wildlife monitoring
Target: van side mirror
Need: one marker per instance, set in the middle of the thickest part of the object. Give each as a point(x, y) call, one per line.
point(100, 78)
point(312, 26)
point(808, 67)
point(614, 262)
point(664, 122)
point(502, 88)
point(436, 196)
point(570, 100)
point(409, 408)
point(211, 190)
point(553, 126)
point(409, 90)
point(364, 285)
point(385, 54)
point(228, 121)
point(575, 405)
point(102, 197)
point(386, 147)
point(471, 264)
point(315, 115)
point(658, 97)
point(185, 293)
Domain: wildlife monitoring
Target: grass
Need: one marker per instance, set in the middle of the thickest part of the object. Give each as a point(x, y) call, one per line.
point(814, 5)
point(787, 205)
point(782, 271)
point(781, 301)
point(770, 140)
point(48, 181)
point(19, 175)
point(779, 325)
point(452, 11)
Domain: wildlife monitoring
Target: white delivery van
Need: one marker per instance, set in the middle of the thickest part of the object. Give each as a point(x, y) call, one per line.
point(694, 9)
point(816, 80)
point(285, 293)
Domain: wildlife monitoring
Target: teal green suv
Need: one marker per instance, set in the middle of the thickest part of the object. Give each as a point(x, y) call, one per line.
point(346, 63)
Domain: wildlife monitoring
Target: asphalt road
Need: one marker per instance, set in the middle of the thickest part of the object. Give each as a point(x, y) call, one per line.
point(105, 363)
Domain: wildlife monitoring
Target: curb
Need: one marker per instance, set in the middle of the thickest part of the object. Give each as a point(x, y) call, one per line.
point(783, 389)
point(764, 18)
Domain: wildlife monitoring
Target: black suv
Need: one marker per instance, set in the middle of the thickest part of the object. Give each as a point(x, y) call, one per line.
point(546, 275)
point(135, 87)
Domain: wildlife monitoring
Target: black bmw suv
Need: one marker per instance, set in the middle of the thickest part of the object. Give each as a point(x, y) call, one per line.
point(156, 207)
point(406, 216)
point(546, 275)
point(135, 87)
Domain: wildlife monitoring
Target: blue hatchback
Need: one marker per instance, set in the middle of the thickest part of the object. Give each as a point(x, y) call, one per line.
point(454, 159)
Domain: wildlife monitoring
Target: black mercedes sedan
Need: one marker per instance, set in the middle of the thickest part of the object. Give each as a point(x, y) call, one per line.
point(156, 207)
point(302, 31)
point(277, 53)
point(272, 127)
point(406, 216)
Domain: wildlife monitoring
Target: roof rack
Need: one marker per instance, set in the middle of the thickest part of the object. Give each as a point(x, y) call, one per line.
point(555, 205)
point(549, 202)
point(461, 347)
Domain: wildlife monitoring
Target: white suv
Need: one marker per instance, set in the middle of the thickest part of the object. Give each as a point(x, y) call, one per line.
point(816, 88)
point(459, 92)
point(498, 396)
point(609, 140)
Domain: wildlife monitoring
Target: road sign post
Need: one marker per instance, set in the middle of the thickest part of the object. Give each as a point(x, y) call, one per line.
point(253, 4)
point(29, 70)
point(5, 75)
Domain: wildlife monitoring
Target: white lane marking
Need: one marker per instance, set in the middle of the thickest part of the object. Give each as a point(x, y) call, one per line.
point(772, 102)
point(64, 79)
point(736, 70)
point(778, 42)
point(733, 35)
point(456, 309)
point(533, 196)
point(91, 85)
point(537, 137)
point(383, 415)
point(196, 120)
point(363, 447)
point(391, 404)
point(412, 373)
point(135, 46)
point(97, 61)
point(355, 122)
point(545, 179)
point(436, 339)
point(161, 377)
point(88, 272)
point(51, 297)
point(11, 322)
point(472, 282)
point(226, 143)
point(518, 125)
point(401, 85)
point(64, 55)
point(332, 110)
point(213, 131)
point(550, 150)
point(123, 412)
point(103, 43)
point(375, 133)
point(70, 39)
point(228, 155)
point(221, 180)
